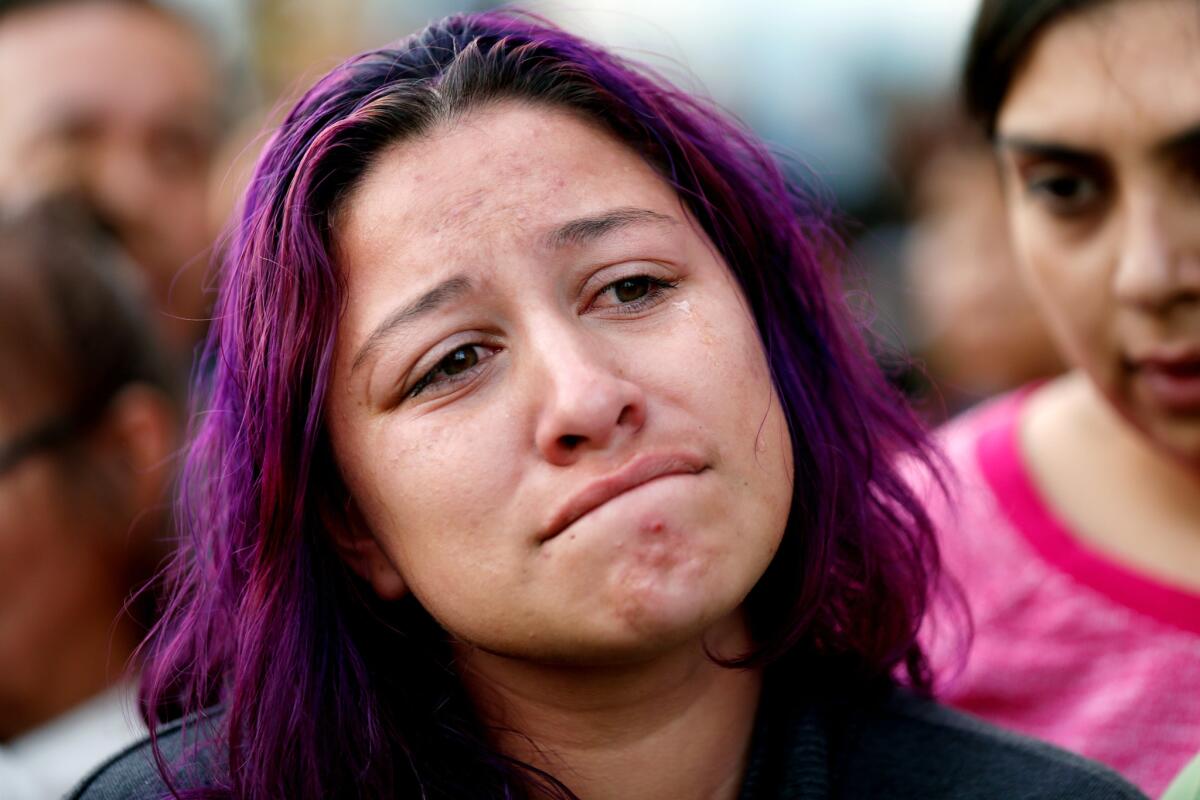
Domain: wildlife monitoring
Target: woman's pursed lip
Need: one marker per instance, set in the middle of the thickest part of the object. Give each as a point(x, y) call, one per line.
point(1166, 358)
point(639, 470)
point(1169, 377)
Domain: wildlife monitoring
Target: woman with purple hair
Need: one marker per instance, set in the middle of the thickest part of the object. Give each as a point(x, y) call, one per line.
point(540, 459)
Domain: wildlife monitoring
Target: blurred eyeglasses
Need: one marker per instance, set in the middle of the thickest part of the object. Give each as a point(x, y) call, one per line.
point(47, 436)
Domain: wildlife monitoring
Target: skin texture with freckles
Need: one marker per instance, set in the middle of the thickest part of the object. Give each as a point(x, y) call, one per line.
point(1103, 203)
point(570, 380)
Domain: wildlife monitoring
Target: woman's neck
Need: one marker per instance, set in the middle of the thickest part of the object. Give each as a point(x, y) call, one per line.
point(678, 726)
point(1110, 484)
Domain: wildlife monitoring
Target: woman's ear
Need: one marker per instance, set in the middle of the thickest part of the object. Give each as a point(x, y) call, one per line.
point(140, 434)
point(359, 549)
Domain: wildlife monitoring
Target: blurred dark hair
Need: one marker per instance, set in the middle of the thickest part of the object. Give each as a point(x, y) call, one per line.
point(74, 323)
point(7, 6)
point(1004, 33)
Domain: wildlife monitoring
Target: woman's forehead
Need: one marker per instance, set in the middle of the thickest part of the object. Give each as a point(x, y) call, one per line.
point(508, 172)
point(1124, 68)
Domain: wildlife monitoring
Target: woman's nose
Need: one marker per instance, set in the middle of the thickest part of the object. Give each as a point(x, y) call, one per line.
point(1159, 259)
point(587, 404)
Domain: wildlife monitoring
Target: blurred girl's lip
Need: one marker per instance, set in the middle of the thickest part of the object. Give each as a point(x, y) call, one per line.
point(1171, 357)
point(1171, 383)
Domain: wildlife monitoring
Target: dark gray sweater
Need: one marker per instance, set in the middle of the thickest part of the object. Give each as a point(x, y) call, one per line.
point(893, 747)
point(901, 747)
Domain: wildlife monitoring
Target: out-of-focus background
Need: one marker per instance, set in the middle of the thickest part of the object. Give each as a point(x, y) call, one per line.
point(820, 79)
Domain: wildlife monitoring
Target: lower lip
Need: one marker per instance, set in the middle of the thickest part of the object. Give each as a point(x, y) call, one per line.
point(1173, 391)
point(660, 480)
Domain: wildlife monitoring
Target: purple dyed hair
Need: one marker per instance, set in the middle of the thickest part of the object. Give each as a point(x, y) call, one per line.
point(323, 687)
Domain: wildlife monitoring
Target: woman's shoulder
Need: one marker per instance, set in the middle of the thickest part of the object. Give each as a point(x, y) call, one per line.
point(186, 746)
point(981, 542)
point(959, 437)
point(908, 746)
point(837, 738)
point(958, 476)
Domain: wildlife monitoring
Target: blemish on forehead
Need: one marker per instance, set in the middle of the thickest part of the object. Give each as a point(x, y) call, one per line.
point(463, 208)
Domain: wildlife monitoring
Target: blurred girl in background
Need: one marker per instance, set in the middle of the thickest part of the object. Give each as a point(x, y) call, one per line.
point(1077, 539)
point(87, 426)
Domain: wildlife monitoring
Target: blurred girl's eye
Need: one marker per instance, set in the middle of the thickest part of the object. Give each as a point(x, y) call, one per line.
point(1064, 192)
point(457, 365)
point(632, 294)
point(1188, 169)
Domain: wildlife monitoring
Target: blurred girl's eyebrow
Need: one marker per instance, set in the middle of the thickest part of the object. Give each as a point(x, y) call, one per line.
point(1048, 150)
point(1184, 143)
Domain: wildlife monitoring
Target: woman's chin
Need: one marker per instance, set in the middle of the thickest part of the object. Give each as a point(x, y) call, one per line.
point(652, 620)
point(640, 627)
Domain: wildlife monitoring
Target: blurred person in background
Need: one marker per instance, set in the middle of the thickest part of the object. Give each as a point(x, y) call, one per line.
point(1077, 534)
point(87, 426)
point(973, 323)
point(117, 100)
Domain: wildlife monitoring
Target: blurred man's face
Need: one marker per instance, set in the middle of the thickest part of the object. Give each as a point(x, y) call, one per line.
point(119, 102)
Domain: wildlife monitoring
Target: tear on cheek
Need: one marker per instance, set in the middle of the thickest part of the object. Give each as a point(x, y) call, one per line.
point(684, 307)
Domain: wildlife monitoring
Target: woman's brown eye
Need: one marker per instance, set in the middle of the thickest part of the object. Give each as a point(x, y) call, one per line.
point(1066, 193)
point(460, 360)
point(631, 289)
point(632, 295)
point(447, 371)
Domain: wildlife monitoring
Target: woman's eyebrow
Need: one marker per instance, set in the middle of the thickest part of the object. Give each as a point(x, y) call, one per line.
point(1050, 151)
point(404, 317)
point(1182, 144)
point(587, 229)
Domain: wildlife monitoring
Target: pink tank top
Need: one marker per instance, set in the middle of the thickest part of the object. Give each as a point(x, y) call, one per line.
point(1069, 646)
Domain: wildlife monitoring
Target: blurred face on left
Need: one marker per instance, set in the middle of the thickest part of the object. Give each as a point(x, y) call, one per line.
point(118, 102)
point(62, 583)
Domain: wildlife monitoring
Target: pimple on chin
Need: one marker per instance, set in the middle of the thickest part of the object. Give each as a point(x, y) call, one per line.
point(657, 576)
point(659, 544)
point(654, 525)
